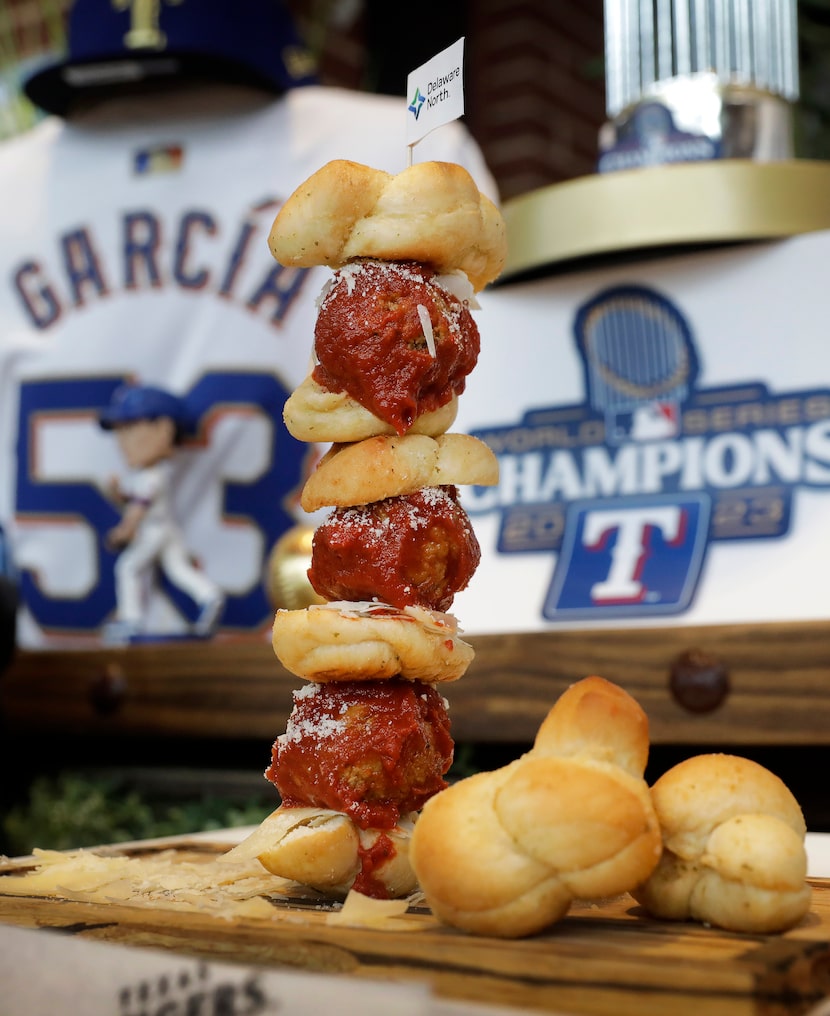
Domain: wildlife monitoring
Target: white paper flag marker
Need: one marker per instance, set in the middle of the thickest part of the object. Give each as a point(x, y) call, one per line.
point(435, 93)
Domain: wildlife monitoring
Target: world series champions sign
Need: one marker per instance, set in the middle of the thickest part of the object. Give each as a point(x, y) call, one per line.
point(664, 445)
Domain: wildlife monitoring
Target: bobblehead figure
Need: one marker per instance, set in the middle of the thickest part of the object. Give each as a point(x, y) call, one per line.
point(148, 424)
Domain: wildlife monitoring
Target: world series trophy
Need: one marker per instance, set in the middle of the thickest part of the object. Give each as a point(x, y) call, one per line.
point(693, 80)
point(639, 360)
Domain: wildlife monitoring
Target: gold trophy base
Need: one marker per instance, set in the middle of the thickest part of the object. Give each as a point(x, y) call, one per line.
point(668, 206)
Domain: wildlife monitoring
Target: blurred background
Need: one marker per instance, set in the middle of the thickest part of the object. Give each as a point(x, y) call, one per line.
point(535, 103)
point(535, 71)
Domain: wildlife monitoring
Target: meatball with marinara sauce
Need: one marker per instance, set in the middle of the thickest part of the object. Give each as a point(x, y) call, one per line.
point(370, 340)
point(375, 750)
point(413, 550)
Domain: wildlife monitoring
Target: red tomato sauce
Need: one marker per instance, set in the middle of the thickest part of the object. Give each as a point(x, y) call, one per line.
point(374, 750)
point(370, 342)
point(414, 550)
point(371, 858)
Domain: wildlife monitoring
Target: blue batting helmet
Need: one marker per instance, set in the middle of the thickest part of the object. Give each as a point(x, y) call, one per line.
point(143, 402)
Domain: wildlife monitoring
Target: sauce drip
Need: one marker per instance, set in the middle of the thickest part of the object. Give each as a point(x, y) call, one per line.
point(371, 858)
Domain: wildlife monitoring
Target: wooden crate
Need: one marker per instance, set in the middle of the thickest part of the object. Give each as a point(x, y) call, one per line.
point(603, 959)
point(776, 676)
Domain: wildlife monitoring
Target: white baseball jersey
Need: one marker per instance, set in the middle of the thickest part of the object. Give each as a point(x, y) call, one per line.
point(133, 246)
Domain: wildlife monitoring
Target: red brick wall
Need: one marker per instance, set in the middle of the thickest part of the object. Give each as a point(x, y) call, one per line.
point(535, 91)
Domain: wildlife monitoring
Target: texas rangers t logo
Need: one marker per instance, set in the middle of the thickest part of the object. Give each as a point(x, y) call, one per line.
point(624, 553)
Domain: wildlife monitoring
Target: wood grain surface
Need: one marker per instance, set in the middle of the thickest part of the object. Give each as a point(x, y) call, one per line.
point(604, 959)
point(777, 687)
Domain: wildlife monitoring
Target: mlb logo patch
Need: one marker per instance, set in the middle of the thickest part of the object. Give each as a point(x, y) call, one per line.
point(625, 557)
point(650, 421)
point(161, 159)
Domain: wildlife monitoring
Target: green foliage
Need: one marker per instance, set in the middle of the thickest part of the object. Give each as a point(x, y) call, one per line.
point(74, 809)
point(70, 810)
point(24, 25)
point(464, 763)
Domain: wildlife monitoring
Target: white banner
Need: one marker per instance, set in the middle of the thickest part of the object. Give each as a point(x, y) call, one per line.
point(663, 435)
point(435, 93)
point(45, 972)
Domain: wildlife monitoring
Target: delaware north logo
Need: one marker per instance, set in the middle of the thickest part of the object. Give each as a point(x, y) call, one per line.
point(417, 103)
point(437, 90)
point(632, 486)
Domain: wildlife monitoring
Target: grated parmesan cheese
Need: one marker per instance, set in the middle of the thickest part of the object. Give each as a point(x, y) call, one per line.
point(458, 285)
point(227, 886)
point(426, 324)
point(359, 911)
point(433, 620)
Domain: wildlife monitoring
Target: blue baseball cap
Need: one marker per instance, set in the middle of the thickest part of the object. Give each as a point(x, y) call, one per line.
point(143, 402)
point(115, 43)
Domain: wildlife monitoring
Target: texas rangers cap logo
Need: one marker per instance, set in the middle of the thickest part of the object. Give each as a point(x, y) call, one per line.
point(144, 30)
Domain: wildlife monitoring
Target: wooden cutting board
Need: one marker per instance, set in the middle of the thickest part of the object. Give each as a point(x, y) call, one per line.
point(602, 959)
